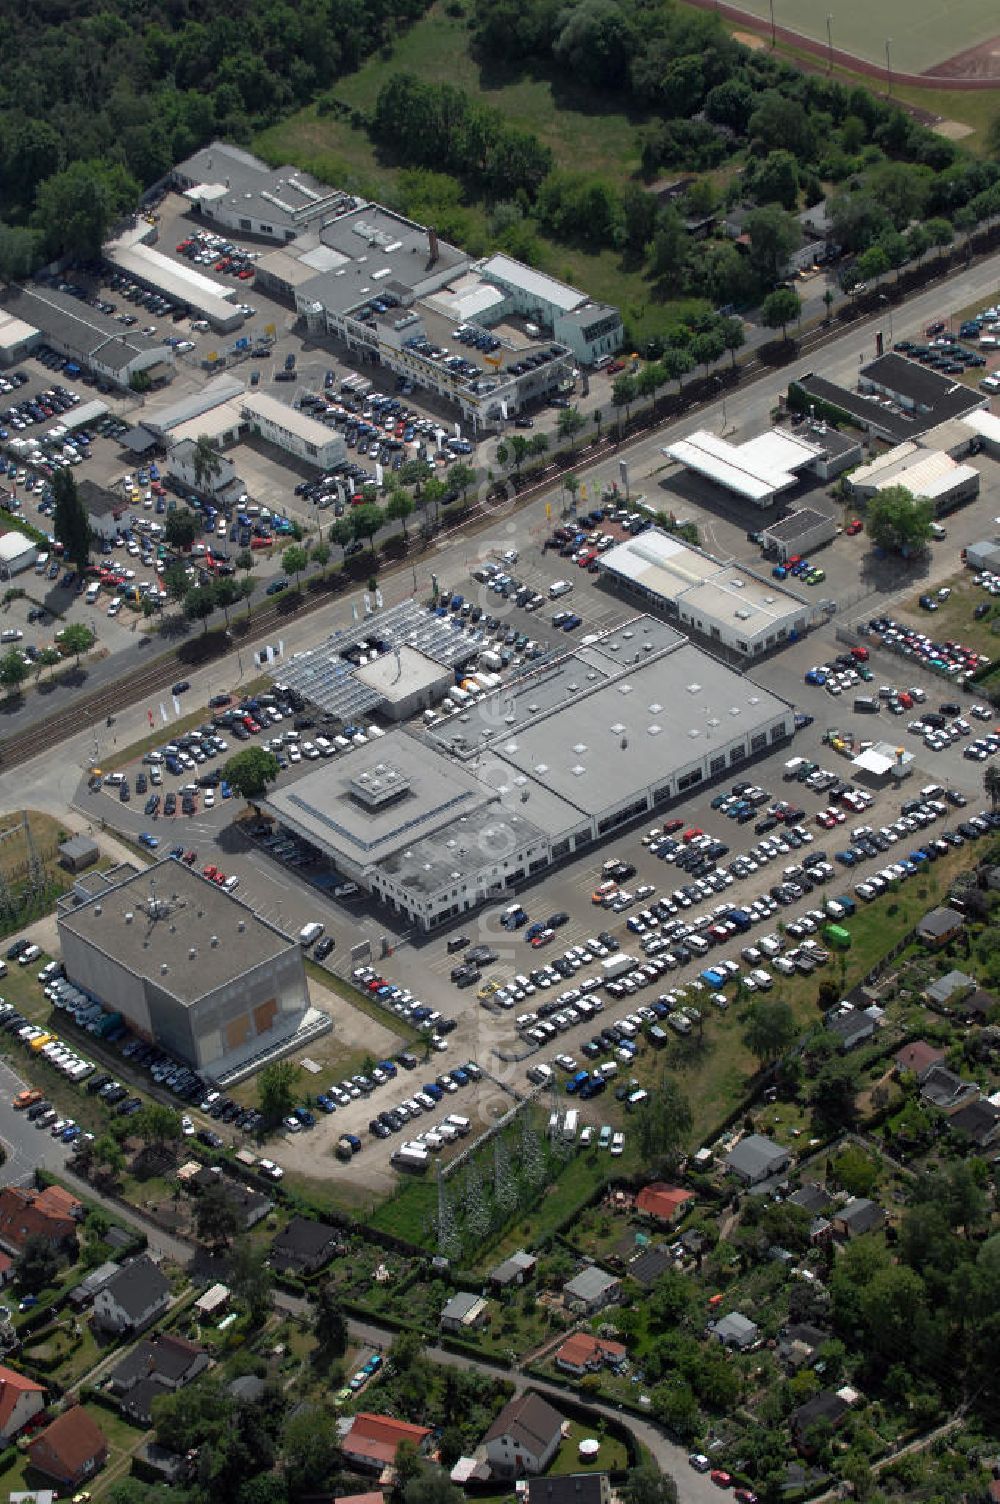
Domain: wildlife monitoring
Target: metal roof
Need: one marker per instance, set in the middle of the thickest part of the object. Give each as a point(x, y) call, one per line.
point(511, 273)
point(755, 470)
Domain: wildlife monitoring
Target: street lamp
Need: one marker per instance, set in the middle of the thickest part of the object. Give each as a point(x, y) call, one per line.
point(771, 2)
point(829, 44)
point(888, 62)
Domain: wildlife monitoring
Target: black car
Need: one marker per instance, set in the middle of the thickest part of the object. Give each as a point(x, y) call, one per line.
point(556, 921)
point(170, 803)
point(324, 948)
point(16, 949)
point(181, 687)
point(209, 1139)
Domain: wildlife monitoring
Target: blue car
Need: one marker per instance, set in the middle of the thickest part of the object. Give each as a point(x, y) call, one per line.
point(325, 1103)
point(815, 677)
point(148, 841)
point(226, 790)
point(177, 852)
point(433, 1090)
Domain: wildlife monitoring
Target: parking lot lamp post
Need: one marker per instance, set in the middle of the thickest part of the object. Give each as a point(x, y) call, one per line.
point(773, 43)
point(888, 62)
point(829, 43)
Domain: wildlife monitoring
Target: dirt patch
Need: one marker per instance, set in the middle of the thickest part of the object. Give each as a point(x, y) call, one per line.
point(750, 39)
point(975, 62)
point(952, 130)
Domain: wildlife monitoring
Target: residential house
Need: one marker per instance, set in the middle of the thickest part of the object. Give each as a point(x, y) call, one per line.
point(6, 1269)
point(735, 1331)
point(938, 927)
point(943, 1089)
point(371, 1442)
point(513, 1271)
point(524, 1438)
point(571, 1488)
point(70, 1449)
point(303, 1246)
point(756, 1158)
point(979, 1122)
point(168, 1467)
point(798, 1344)
point(51, 1213)
point(132, 1298)
point(918, 1057)
point(250, 1206)
point(662, 1202)
point(976, 1006)
point(825, 1409)
point(811, 1197)
point(583, 1353)
point(852, 1026)
point(945, 992)
point(20, 1400)
point(154, 1368)
point(591, 1290)
point(857, 1216)
point(464, 1312)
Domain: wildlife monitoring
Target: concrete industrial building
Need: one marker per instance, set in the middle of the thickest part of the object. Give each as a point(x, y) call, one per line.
point(763, 468)
point(92, 339)
point(180, 464)
point(930, 474)
point(17, 338)
point(439, 823)
point(293, 431)
point(801, 532)
point(188, 966)
point(726, 605)
point(896, 399)
point(17, 552)
point(397, 294)
point(132, 254)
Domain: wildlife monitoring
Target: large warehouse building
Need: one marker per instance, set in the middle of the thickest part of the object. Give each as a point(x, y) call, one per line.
point(91, 338)
point(725, 605)
point(188, 966)
point(438, 823)
point(929, 474)
point(133, 254)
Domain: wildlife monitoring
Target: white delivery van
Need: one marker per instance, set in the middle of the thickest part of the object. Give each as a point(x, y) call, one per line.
point(310, 933)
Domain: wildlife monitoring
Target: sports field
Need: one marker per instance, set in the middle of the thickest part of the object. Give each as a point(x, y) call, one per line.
point(923, 33)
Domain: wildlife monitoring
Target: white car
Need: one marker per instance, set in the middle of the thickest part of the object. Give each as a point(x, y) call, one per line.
point(618, 1144)
point(292, 1124)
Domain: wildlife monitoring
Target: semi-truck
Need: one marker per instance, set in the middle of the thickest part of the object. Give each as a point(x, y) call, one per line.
point(617, 966)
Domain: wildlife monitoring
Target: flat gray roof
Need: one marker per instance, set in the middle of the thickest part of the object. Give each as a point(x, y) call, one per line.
point(466, 847)
point(643, 725)
point(384, 251)
point(155, 919)
point(322, 806)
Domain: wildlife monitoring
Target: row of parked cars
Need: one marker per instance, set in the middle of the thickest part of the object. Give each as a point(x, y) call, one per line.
point(950, 658)
point(401, 1002)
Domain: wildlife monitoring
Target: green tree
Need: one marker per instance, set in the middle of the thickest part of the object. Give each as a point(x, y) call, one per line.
point(707, 347)
point(775, 180)
point(76, 208)
point(228, 592)
point(108, 1158)
point(251, 1280)
point(770, 1029)
point(216, 1217)
point(250, 771)
point(461, 476)
point(77, 638)
point(431, 1485)
point(70, 522)
point(774, 235)
point(320, 554)
point(186, 1418)
point(48, 657)
point(13, 671)
point(664, 1122)
point(899, 522)
point(832, 1096)
point(623, 393)
point(733, 335)
point(519, 447)
point(330, 1324)
point(399, 507)
point(180, 530)
point(991, 785)
point(157, 1125)
point(205, 461)
point(569, 424)
point(199, 603)
point(294, 560)
point(276, 1085)
point(244, 559)
point(309, 1447)
point(676, 364)
point(342, 533)
point(176, 581)
point(779, 308)
point(366, 521)
point(37, 1266)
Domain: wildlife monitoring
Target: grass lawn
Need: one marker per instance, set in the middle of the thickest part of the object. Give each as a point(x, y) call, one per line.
point(405, 1031)
point(954, 619)
point(69, 1356)
point(610, 1458)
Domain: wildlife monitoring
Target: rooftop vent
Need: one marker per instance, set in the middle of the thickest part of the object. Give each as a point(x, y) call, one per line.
point(241, 927)
point(542, 767)
point(578, 770)
point(580, 748)
point(98, 910)
point(164, 968)
point(192, 952)
point(654, 730)
point(655, 708)
point(693, 689)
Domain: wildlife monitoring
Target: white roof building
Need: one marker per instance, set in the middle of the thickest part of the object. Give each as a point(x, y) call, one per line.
point(927, 473)
point(721, 603)
point(756, 471)
point(293, 430)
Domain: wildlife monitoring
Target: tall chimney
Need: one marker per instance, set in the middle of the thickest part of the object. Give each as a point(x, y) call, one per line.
point(432, 241)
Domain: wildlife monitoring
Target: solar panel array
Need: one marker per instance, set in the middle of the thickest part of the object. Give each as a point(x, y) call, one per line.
point(324, 675)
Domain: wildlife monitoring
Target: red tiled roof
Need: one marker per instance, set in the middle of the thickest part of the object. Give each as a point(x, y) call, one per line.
point(663, 1201)
point(378, 1436)
point(582, 1348)
point(918, 1056)
point(72, 1440)
point(28, 1213)
point(12, 1386)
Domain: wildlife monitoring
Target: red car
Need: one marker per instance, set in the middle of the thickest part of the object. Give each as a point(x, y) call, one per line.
point(721, 1478)
point(692, 834)
point(745, 1496)
point(209, 871)
point(672, 826)
point(854, 527)
point(542, 939)
point(190, 857)
point(246, 274)
point(860, 655)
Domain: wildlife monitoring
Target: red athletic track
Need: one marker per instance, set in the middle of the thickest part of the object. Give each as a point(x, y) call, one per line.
point(930, 80)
